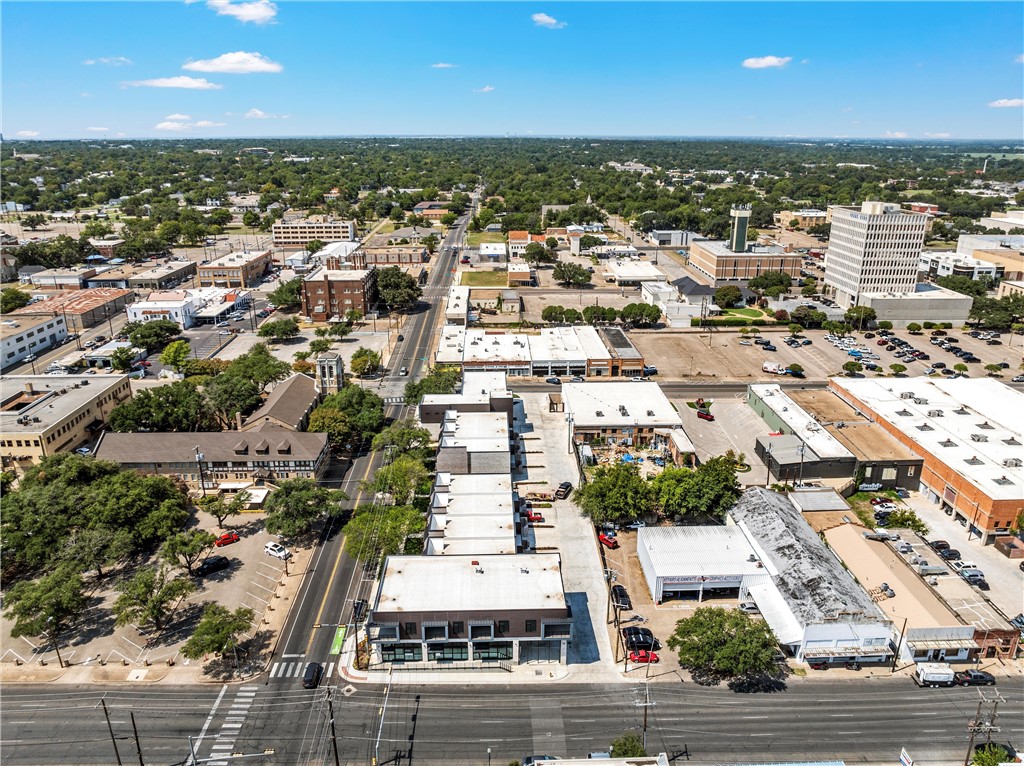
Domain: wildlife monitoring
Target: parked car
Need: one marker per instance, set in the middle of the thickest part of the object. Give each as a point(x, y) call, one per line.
point(975, 678)
point(226, 539)
point(530, 760)
point(83, 451)
point(640, 638)
point(534, 517)
point(938, 545)
point(643, 656)
point(636, 525)
point(950, 554)
point(749, 607)
point(563, 491)
point(211, 565)
point(705, 415)
point(553, 381)
point(620, 598)
point(608, 541)
point(277, 550)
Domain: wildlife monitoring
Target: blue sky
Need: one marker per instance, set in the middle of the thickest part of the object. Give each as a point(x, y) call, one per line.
point(215, 68)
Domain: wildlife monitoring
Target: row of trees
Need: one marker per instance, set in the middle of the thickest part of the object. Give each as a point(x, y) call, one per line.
point(633, 315)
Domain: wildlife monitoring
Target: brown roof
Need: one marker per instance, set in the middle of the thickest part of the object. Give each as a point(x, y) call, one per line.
point(288, 403)
point(76, 301)
point(143, 449)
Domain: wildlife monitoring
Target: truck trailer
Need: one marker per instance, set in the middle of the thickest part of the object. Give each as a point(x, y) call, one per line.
point(934, 674)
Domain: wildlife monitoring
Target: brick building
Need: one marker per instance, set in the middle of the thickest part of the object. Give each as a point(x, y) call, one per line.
point(327, 293)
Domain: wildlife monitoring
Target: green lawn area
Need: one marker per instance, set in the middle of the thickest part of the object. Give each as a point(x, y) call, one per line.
point(477, 238)
point(485, 278)
point(752, 313)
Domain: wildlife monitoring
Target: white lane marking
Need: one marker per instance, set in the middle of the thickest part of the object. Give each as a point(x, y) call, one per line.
point(209, 720)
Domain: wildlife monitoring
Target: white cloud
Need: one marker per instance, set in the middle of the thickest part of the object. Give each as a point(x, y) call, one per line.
point(805, 61)
point(239, 62)
point(175, 125)
point(766, 62)
point(485, 89)
point(938, 135)
point(442, 65)
point(178, 117)
point(1020, 59)
point(209, 124)
point(1005, 103)
point(550, 22)
point(27, 133)
point(259, 114)
point(181, 81)
point(99, 130)
point(109, 61)
point(256, 12)
point(895, 134)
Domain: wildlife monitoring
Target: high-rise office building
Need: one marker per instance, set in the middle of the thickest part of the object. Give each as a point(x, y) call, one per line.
point(874, 248)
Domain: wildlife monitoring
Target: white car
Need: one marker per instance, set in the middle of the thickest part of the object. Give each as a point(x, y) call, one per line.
point(746, 343)
point(636, 525)
point(277, 550)
point(749, 607)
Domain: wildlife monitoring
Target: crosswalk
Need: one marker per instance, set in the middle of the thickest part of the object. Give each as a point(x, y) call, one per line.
point(295, 669)
point(223, 744)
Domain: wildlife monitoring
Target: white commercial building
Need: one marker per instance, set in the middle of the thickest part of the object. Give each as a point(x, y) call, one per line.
point(631, 272)
point(472, 513)
point(925, 303)
point(298, 233)
point(942, 263)
point(456, 310)
point(494, 251)
point(204, 305)
point(28, 336)
point(676, 309)
point(558, 352)
point(619, 413)
point(698, 562)
point(874, 248)
point(1011, 219)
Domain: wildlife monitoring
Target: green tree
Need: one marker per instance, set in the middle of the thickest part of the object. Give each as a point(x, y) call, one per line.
point(93, 548)
point(796, 370)
point(551, 243)
point(50, 604)
point(963, 285)
point(260, 366)
point(808, 317)
point(994, 369)
point(335, 423)
point(554, 314)
point(640, 314)
point(397, 289)
point(705, 493)
point(230, 395)
point(809, 290)
point(251, 219)
point(961, 367)
point(149, 597)
point(185, 549)
point(905, 518)
point(716, 643)
point(616, 492)
point(221, 510)
point(406, 438)
point(990, 754)
point(12, 298)
point(596, 314)
point(588, 241)
point(571, 274)
point(885, 324)
point(154, 335)
point(287, 295)
point(297, 504)
point(913, 328)
point(769, 279)
point(365, 361)
point(438, 380)
point(629, 745)
point(448, 219)
point(536, 254)
point(858, 316)
point(176, 355)
point(727, 296)
point(218, 631)
point(431, 242)
point(33, 221)
point(313, 247)
point(399, 478)
point(364, 409)
point(795, 329)
point(178, 406)
point(123, 359)
point(374, 532)
point(279, 330)
point(852, 368)
point(572, 316)
point(319, 346)
point(898, 369)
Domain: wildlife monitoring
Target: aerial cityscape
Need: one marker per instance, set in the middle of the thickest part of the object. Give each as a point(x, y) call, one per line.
point(488, 383)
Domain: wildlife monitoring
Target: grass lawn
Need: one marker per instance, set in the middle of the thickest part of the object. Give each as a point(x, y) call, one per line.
point(477, 238)
point(752, 313)
point(485, 278)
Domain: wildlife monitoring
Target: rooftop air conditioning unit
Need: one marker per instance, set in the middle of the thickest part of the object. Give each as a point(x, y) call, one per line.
point(1012, 462)
point(979, 438)
point(920, 400)
point(906, 395)
point(935, 413)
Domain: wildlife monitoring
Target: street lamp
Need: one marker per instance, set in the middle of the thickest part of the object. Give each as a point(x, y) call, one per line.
point(488, 756)
point(51, 632)
point(202, 477)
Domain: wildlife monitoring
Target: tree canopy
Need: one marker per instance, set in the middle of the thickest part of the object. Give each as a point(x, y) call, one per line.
point(615, 493)
point(374, 532)
point(297, 504)
point(716, 643)
point(397, 289)
point(438, 380)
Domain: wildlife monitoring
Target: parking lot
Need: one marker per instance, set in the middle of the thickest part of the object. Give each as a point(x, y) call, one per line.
point(735, 427)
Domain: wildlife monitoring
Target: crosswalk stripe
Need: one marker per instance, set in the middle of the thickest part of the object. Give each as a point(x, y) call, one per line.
point(330, 669)
point(298, 670)
point(275, 669)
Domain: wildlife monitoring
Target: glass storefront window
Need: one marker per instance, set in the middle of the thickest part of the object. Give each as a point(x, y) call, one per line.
point(499, 650)
point(450, 652)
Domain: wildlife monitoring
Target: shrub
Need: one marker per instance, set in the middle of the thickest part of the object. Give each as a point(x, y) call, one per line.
point(929, 325)
point(723, 322)
point(759, 322)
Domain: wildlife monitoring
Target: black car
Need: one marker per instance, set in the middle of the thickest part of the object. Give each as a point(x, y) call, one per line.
point(978, 582)
point(563, 491)
point(950, 554)
point(975, 678)
point(211, 565)
point(312, 675)
point(640, 638)
point(620, 598)
point(939, 545)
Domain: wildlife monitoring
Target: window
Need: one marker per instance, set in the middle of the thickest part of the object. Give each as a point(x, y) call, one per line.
point(452, 652)
point(531, 626)
point(911, 470)
point(502, 627)
point(435, 632)
point(401, 652)
point(410, 629)
point(458, 628)
point(500, 650)
point(477, 632)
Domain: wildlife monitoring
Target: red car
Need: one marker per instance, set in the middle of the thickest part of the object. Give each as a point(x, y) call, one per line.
point(534, 516)
point(608, 541)
point(704, 415)
point(642, 655)
point(226, 539)
point(144, 363)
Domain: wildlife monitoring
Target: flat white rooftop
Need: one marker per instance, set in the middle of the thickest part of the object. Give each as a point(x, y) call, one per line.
point(492, 382)
point(45, 400)
point(973, 425)
point(235, 259)
point(519, 267)
point(493, 248)
point(802, 424)
point(567, 344)
point(337, 275)
point(476, 431)
point(617, 405)
point(509, 348)
point(477, 582)
point(337, 249)
point(709, 550)
point(459, 484)
point(632, 271)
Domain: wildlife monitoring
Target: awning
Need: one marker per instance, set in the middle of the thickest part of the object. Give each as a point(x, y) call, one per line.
point(953, 643)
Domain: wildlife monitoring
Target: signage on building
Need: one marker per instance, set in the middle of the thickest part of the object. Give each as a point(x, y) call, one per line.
point(905, 759)
point(688, 580)
point(869, 487)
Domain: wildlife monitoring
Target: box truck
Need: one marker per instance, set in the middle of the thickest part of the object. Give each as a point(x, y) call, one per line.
point(934, 674)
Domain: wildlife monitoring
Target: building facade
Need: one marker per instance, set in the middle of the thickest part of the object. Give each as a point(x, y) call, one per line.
point(874, 248)
point(29, 335)
point(298, 233)
point(41, 415)
point(235, 270)
point(328, 294)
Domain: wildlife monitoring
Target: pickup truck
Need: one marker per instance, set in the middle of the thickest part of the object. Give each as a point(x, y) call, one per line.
point(535, 517)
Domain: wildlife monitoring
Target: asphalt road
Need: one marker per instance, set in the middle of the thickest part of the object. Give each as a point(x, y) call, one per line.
point(857, 721)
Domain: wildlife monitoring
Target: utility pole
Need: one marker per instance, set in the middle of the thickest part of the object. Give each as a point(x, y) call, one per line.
point(135, 730)
point(645, 704)
point(982, 723)
point(334, 735)
point(110, 728)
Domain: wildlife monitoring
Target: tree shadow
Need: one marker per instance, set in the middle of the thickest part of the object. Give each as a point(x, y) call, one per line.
point(758, 683)
point(252, 656)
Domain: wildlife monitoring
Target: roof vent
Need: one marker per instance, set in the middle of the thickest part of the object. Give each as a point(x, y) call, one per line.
point(1012, 462)
point(935, 413)
point(599, 414)
point(906, 395)
point(979, 438)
